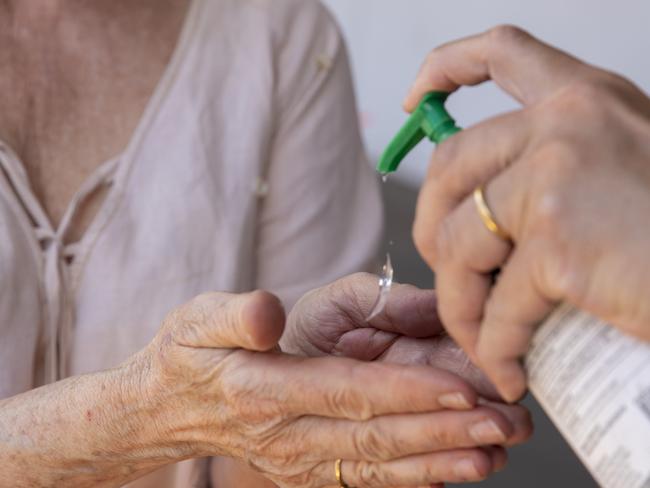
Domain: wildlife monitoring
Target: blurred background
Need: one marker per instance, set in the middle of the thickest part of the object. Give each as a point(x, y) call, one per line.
point(389, 39)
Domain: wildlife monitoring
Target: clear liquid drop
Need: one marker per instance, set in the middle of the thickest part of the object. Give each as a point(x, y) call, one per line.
point(385, 285)
point(384, 178)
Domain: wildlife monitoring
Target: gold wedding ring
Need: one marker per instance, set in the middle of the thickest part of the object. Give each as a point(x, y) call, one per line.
point(339, 475)
point(487, 216)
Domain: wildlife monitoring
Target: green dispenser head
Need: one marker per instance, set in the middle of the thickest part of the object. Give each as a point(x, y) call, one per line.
point(430, 119)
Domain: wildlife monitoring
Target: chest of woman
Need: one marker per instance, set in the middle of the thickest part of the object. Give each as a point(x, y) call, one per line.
point(172, 215)
point(73, 87)
point(61, 136)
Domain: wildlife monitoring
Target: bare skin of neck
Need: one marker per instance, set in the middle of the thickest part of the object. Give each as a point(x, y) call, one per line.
point(75, 78)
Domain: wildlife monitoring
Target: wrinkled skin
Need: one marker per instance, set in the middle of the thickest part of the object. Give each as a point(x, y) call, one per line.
point(213, 383)
point(290, 417)
point(332, 321)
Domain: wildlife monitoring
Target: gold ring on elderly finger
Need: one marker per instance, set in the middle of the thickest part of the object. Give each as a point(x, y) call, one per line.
point(339, 474)
point(487, 216)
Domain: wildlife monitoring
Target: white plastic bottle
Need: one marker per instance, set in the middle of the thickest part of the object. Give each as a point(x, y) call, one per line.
point(594, 383)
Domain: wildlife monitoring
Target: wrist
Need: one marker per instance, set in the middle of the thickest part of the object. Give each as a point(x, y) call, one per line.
point(170, 408)
point(92, 430)
point(147, 409)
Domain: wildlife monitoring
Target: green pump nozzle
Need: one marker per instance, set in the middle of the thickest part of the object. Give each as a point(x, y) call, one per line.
point(430, 119)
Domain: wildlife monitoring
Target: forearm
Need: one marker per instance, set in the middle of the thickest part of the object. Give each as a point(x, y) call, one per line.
point(92, 430)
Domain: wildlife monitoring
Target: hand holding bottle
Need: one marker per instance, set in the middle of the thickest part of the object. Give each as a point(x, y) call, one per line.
point(567, 178)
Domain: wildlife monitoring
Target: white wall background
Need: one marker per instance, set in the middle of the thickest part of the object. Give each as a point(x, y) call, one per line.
point(388, 40)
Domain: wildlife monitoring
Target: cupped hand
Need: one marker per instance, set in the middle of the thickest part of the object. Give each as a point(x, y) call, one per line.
point(567, 177)
point(333, 321)
point(221, 387)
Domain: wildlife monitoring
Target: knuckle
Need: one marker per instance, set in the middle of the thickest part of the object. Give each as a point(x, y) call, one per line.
point(369, 475)
point(555, 166)
point(241, 395)
point(614, 82)
point(302, 480)
point(607, 85)
point(551, 272)
point(370, 442)
point(291, 472)
point(603, 99)
point(291, 466)
point(548, 216)
point(583, 98)
point(446, 436)
point(586, 100)
point(234, 395)
point(556, 154)
point(350, 403)
point(556, 271)
point(548, 212)
point(506, 35)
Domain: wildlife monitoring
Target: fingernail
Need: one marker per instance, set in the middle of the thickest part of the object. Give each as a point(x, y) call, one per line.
point(454, 401)
point(466, 470)
point(487, 432)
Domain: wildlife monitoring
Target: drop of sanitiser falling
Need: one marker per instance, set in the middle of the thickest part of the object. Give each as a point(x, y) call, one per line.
point(385, 285)
point(384, 177)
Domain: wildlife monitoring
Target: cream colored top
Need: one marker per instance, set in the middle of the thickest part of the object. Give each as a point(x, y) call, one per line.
point(246, 171)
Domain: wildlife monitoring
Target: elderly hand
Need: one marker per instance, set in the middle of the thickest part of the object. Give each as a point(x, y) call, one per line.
point(332, 321)
point(292, 417)
point(567, 177)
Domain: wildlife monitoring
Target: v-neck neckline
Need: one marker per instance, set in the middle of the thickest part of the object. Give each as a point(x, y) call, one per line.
point(118, 168)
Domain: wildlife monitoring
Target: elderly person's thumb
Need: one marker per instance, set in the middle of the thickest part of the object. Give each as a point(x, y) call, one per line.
point(253, 321)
